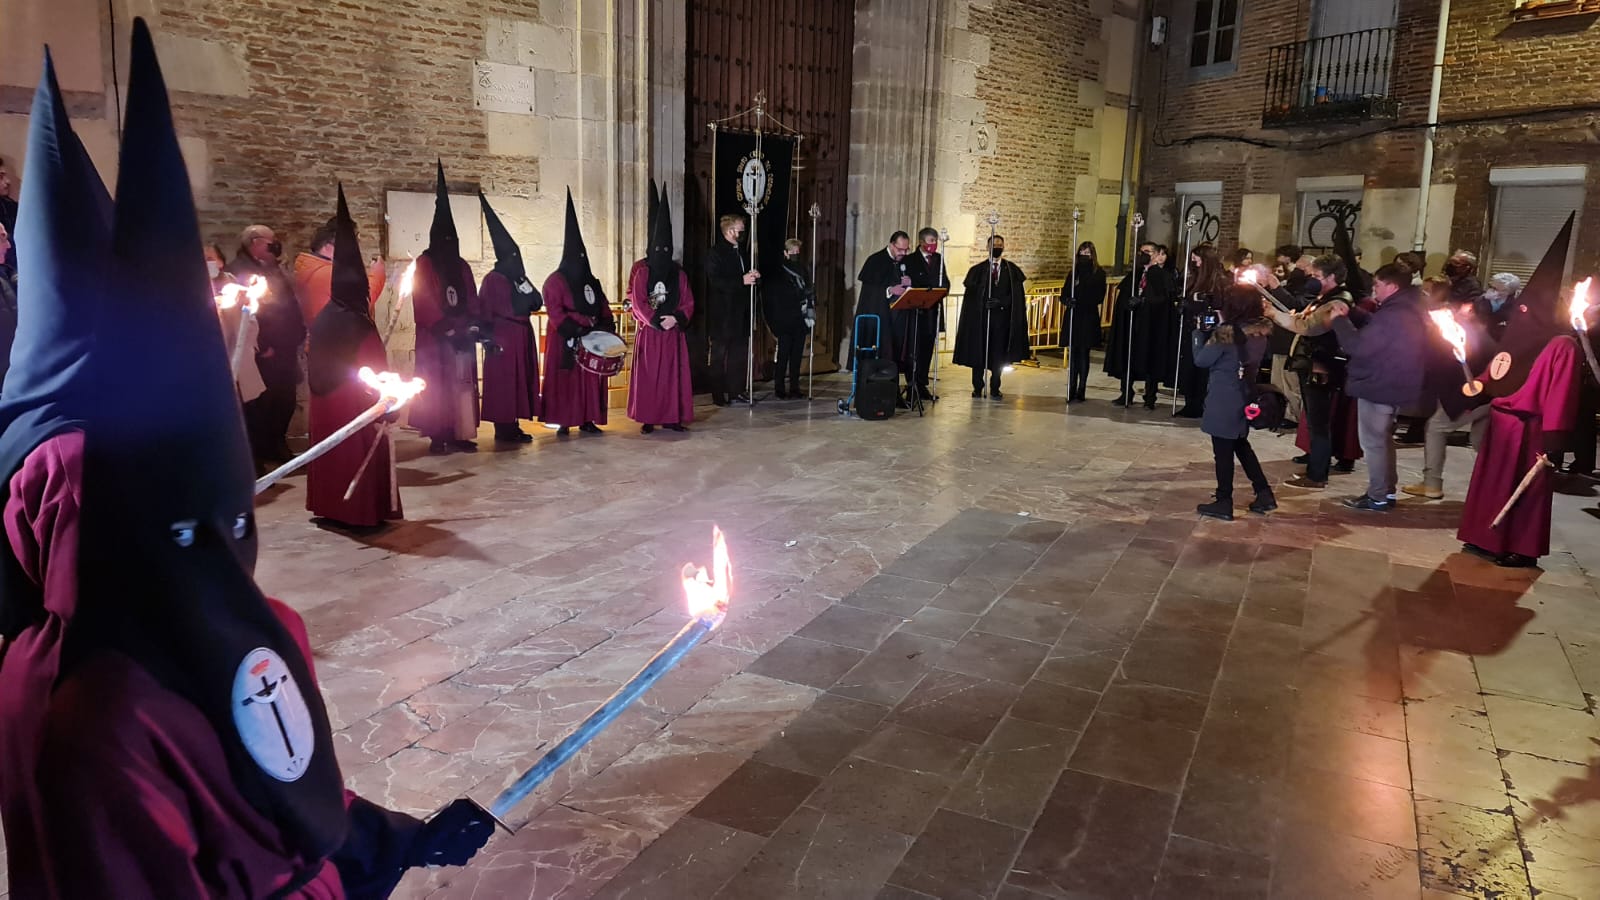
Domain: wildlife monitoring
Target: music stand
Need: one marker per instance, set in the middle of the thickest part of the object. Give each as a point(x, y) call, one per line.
point(917, 300)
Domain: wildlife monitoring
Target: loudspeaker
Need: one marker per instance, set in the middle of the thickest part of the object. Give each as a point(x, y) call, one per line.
point(878, 391)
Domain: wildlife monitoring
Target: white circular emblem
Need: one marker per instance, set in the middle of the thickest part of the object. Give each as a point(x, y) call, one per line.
point(1500, 365)
point(754, 175)
point(450, 297)
point(271, 716)
point(588, 294)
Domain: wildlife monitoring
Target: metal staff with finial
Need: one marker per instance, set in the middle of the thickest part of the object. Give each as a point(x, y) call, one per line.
point(1189, 225)
point(944, 240)
point(811, 333)
point(1133, 301)
point(1072, 305)
point(988, 314)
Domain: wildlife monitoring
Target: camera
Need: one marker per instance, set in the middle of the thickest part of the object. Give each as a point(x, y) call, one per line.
point(1209, 320)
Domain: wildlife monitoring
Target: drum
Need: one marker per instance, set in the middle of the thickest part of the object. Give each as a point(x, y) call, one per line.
point(601, 353)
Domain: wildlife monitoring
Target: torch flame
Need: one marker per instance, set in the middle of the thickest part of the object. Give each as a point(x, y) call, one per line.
point(1451, 331)
point(1580, 304)
point(253, 291)
point(408, 278)
point(707, 594)
point(391, 387)
point(1249, 276)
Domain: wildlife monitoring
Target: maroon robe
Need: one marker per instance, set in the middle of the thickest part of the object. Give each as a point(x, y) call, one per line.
point(659, 392)
point(572, 396)
point(436, 411)
point(1346, 429)
point(1544, 409)
point(510, 377)
point(377, 498)
point(110, 784)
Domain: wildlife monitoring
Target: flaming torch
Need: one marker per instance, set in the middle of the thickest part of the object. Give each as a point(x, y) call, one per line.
point(393, 393)
point(707, 596)
point(1580, 321)
point(1456, 336)
point(1252, 277)
point(252, 292)
point(402, 294)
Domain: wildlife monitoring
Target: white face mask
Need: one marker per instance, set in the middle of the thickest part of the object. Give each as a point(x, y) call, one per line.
point(213, 267)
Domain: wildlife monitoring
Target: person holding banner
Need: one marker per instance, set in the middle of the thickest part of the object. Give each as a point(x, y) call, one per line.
point(729, 275)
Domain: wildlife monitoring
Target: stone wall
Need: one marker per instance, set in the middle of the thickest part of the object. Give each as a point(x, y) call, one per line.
point(1493, 66)
point(963, 107)
point(276, 103)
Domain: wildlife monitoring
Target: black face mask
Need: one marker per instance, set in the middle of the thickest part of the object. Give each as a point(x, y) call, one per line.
point(997, 252)
point(275, 248)
point(1314, 287)
point(1144, 259)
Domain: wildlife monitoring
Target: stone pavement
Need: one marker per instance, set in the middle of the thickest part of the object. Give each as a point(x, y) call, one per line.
point(989, 653)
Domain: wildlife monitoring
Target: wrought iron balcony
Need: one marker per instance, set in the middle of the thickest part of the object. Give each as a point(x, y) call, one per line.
point(1339, 78)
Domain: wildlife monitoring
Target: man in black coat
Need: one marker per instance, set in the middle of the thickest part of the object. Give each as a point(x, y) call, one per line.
point(729, 274)
point(993, 330)
point(920, 328)
point(1146, 304)
point(884, 277)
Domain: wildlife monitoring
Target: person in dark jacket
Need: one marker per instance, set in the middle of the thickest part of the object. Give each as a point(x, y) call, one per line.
point(789, 306)
point(1385, 373)
point(992, 332)
point(917, 331)
point(8, 305)
point(1139, 346)
point(1230, 356)
point(729, 274)
point(1083, 298)
point(283, 333)
point(1319, 364)
point(1462, 270)
point(1206, 283)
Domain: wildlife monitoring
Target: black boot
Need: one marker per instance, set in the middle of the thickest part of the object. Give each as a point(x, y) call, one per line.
point(647, 429)
point(1217, 509)
point(1264, 502)
point(589, 428)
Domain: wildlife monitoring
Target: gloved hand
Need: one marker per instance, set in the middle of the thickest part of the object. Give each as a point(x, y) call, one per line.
point(452, 836)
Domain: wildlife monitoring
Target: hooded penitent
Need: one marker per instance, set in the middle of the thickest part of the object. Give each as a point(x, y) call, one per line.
point(1536, 319)
point(655, 204)
point(525, 299)
point(587, 296)
point(346, 322)
point(168, 539)
point(663, 269)
point(65, 220)
point(444, 249)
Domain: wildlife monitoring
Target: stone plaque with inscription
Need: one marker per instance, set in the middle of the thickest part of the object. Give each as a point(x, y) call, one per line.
point(497, 87)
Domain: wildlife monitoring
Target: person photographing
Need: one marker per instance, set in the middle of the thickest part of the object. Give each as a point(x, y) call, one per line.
point(1229, 348)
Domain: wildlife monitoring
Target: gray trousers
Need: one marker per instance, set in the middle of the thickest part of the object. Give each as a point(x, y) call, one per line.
point(1377, 444)
point(1440, 426)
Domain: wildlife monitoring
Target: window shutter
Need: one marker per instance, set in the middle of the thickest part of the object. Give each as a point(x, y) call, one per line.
point(1526, 219)
point(1314, 230)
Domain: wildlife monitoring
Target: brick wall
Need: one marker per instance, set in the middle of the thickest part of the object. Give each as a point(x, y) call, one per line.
point(1030, 89)
point(362, 90)
point(1492, 66)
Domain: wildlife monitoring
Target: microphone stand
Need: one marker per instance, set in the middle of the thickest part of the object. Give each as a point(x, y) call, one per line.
point(811, 333)
point(1189, 226)
point(1072, 308)
point(988, 314)
point(1134, 298)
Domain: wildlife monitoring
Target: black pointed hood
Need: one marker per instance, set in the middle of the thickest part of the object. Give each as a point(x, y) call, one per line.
point(444, 245)
point(664, 287)
point(346, 322)
point(1536, 318)
point(587, 296)
point(168, 542)
point(65, 222)
point(650, 218)
point(507, 255)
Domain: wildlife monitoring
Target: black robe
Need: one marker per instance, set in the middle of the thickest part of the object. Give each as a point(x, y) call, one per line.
point(727, 296)
point(1084, 313)
point(879, 273)
point(1154, 315)
point(1007, 325)
point(924, 273)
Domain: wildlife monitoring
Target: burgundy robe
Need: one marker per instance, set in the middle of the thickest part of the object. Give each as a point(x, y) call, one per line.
point(659, 392)
point(572, 396)
point(441, 412)
point(110, 784)
point(1519, 426)
point(377, 497)
point(510, 377)
point(1346, 429)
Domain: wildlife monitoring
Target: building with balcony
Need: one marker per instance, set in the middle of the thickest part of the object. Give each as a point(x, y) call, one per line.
point(1269, 121)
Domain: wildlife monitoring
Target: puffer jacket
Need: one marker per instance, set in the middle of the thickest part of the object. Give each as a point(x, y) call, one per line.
point(1228, 376)
point(1388, 355)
